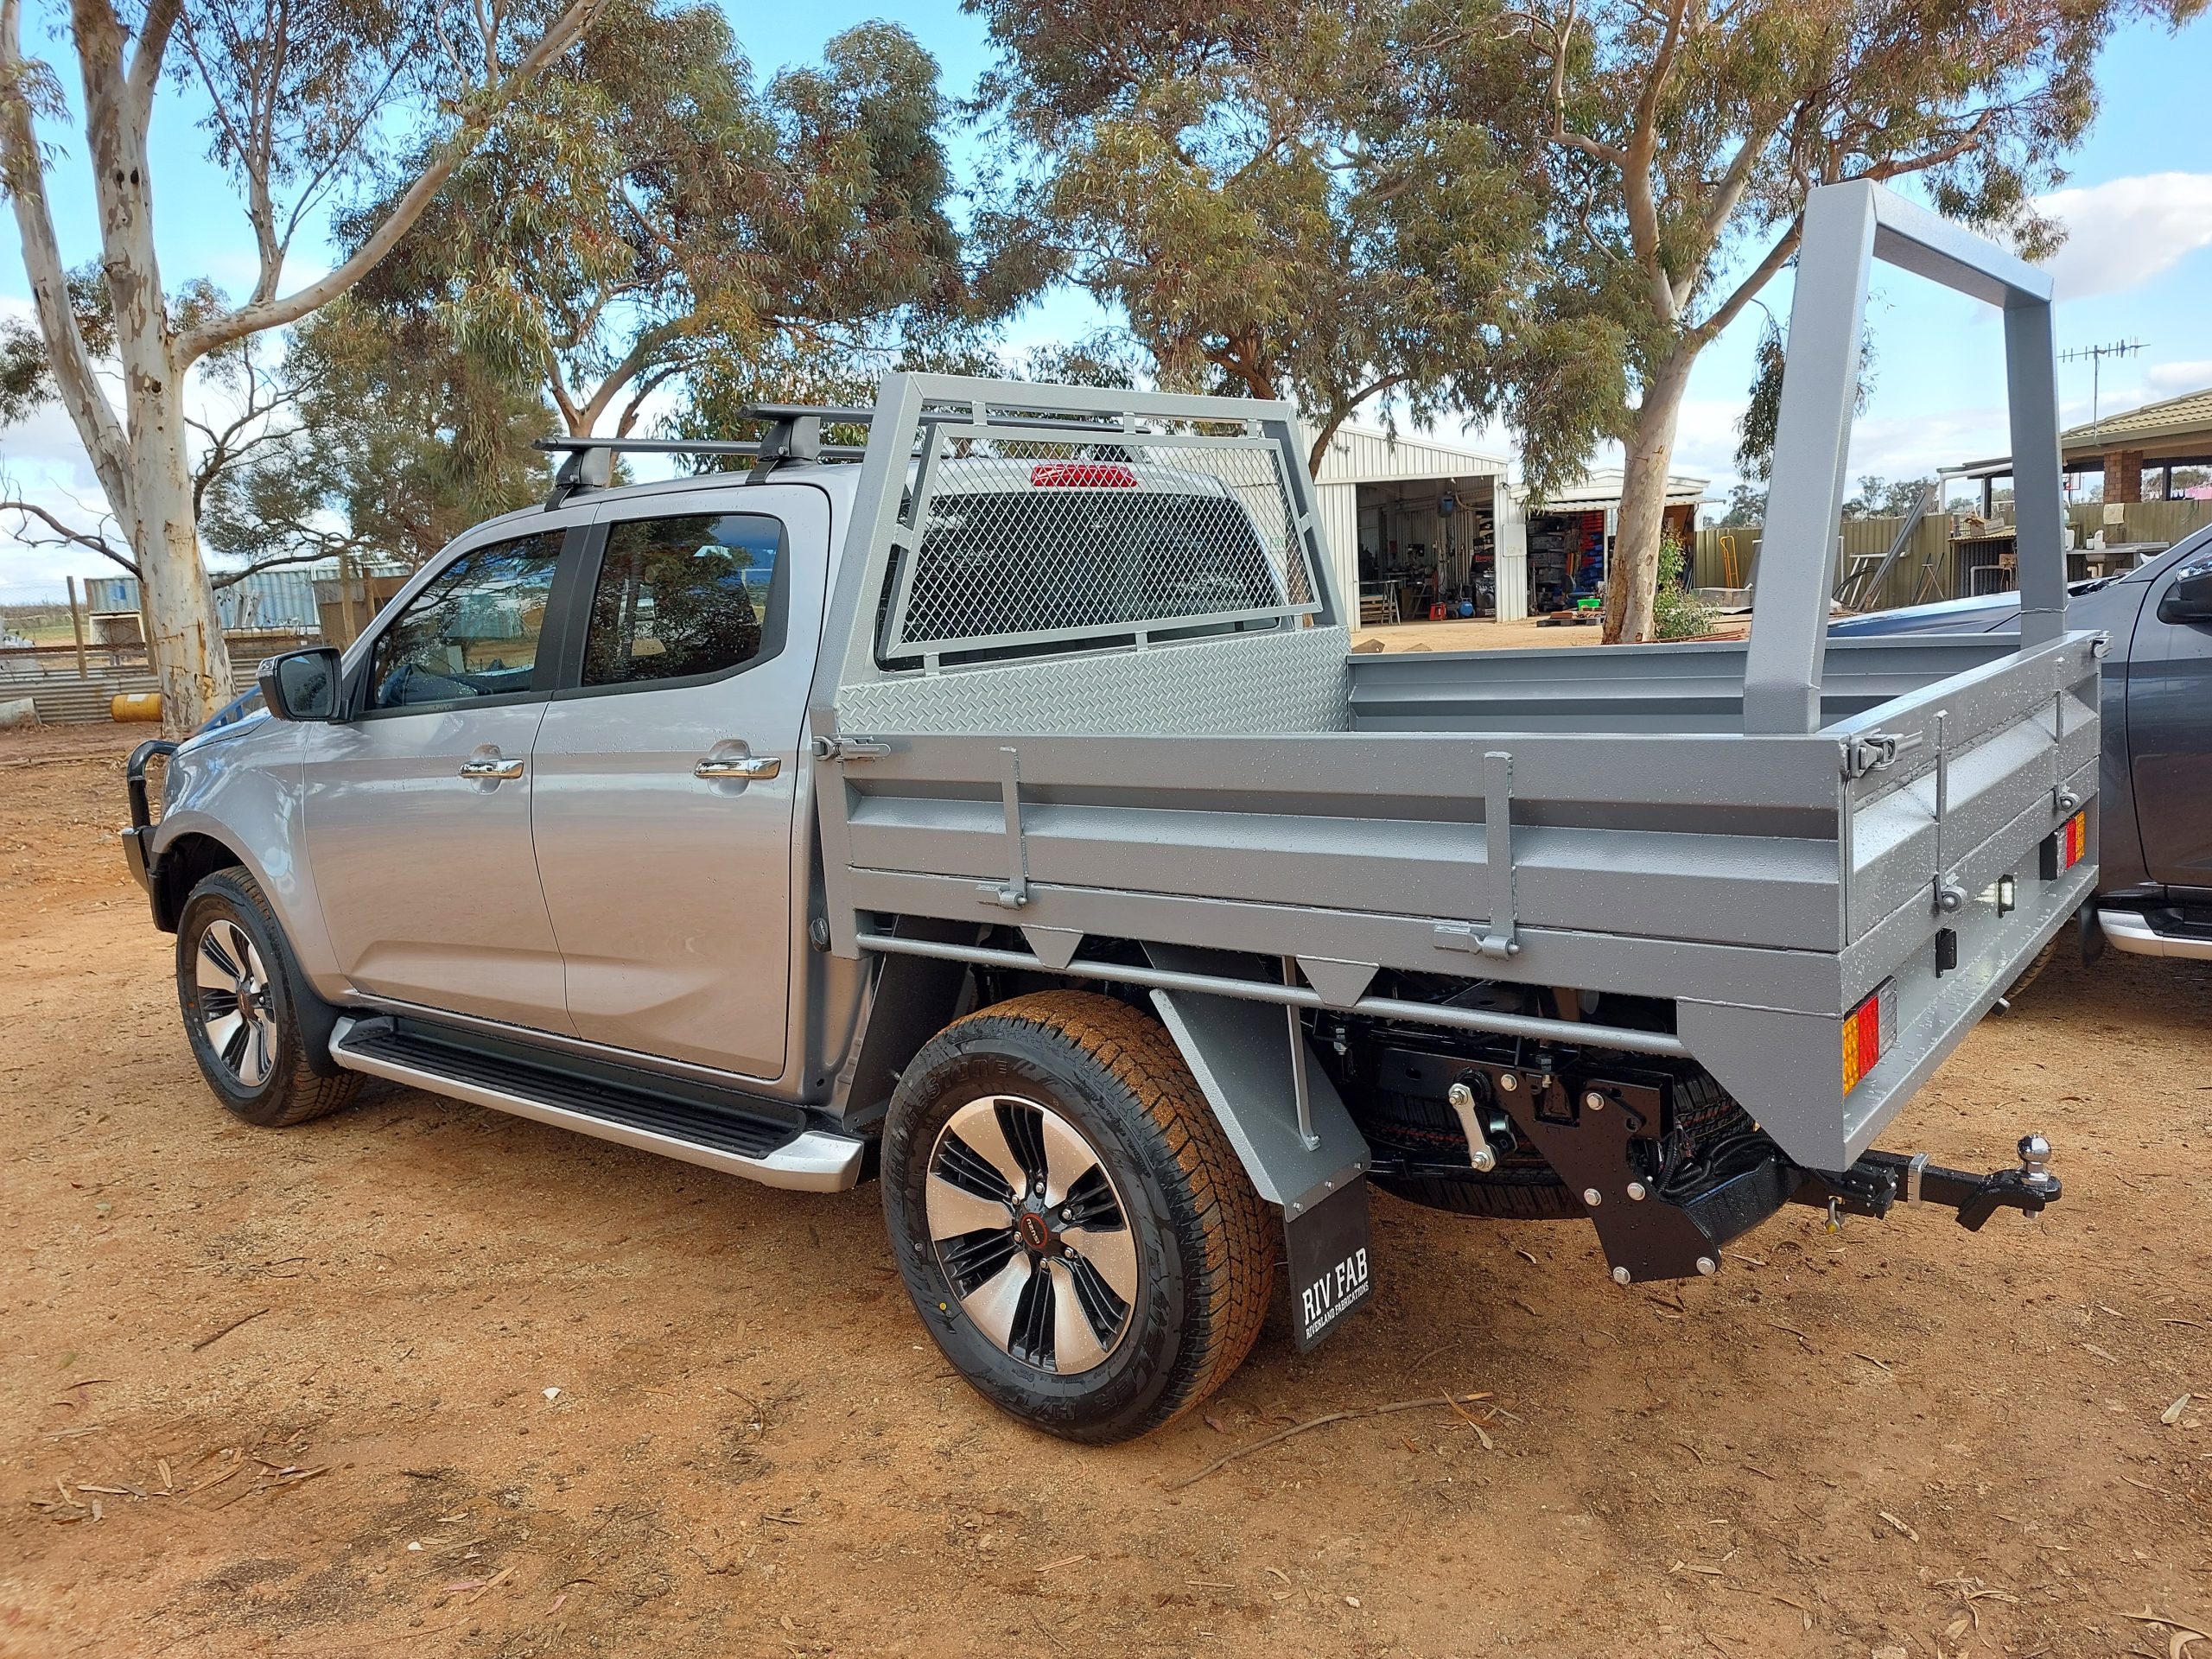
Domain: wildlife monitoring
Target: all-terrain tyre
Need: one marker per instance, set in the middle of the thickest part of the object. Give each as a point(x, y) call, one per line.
point(2028, 975)
point(261, 1036)
point(1073, 1225)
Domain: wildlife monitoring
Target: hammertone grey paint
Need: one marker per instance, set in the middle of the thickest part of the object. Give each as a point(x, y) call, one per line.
point(1762, 834)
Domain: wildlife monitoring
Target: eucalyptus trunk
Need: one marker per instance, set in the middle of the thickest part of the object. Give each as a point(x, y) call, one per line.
point(189, 658)
point(1631, 582)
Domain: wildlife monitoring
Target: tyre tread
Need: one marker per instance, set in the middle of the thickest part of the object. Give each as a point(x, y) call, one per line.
point(1233, 1227)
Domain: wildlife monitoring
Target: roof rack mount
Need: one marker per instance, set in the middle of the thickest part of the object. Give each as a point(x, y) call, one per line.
point(794, 433)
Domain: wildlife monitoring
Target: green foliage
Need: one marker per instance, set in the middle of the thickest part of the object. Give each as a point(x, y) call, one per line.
point(1678, 143)
point(1746, 505)
point(1755, 427)
point(1678, 613)
point(1880, 498)
point(1267, 193)
point(643, 212)
point(394, 441)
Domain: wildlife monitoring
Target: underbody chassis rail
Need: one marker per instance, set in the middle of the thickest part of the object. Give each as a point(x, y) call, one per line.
point(1672, 1225)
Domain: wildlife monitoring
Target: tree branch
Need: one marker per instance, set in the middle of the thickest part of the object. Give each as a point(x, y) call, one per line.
point(559, 36)
point(23, 170)
point(1761, 274)
point(91, 540)
point(153, 46)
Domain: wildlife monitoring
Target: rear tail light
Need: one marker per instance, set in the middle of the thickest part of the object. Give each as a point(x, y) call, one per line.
point(1085, 474)
point(1868, 1031)
point(2066, 846)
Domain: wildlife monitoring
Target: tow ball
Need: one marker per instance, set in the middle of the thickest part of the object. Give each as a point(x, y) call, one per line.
point(1874, 1185)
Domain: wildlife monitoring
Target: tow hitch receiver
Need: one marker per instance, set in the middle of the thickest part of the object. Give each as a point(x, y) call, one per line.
point(1879, 1181)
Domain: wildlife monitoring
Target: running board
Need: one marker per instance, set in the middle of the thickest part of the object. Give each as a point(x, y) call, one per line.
point(2134, 932)
point(763, 1140)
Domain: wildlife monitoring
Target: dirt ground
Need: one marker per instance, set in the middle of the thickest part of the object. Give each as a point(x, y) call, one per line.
point(422, 1380)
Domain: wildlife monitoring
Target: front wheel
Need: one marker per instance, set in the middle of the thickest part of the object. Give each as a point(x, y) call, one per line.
point(1072, 1224)
point(259, 1033)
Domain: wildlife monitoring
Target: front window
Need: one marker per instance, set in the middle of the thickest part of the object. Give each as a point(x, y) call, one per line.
point(474, 632)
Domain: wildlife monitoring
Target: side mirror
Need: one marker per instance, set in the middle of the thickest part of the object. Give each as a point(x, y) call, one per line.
point(302, 684)
point(2190, 597)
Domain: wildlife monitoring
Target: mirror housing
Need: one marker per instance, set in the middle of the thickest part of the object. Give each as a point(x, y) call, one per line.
point(2188, 599)
point(302, 684)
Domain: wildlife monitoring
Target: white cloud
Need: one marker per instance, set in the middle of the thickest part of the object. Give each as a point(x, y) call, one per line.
point(2172, 379)
point(2125, 231)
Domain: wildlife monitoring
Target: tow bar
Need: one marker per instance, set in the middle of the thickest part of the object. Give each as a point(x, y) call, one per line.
point(1879, 1179)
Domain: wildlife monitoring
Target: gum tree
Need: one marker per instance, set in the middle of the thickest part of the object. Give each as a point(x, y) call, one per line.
point(644, 213)
point(1263, 193)
point(297, 97)
point(1678, 139)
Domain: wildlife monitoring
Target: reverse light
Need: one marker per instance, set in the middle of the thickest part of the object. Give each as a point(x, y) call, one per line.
point(1868, 1030)
point(1084, 474)
point(2066, 846)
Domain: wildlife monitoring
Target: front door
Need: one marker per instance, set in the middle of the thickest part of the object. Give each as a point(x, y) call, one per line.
point(417, 808)
point(2170, 738)
point(666, 778)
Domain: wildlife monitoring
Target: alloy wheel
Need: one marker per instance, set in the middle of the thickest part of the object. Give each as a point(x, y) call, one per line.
point(235, 1012)
point(1032, 1232)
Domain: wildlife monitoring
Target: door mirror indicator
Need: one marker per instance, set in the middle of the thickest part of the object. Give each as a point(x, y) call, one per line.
point(2189, 597)
point(302, 684)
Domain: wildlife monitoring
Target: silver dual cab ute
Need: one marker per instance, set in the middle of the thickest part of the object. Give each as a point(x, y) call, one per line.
point(1004, 818)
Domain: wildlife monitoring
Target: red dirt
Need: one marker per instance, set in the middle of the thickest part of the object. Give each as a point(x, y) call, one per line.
point(1840, 1445)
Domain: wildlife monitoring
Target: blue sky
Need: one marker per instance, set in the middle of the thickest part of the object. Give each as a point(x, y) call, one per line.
point(2136, 266)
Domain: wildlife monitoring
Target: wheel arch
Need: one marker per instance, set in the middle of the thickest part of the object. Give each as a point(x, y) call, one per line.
point(185, 862)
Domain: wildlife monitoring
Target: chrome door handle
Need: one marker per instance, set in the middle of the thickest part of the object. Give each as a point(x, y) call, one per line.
point(481, 770)
point(745, 768)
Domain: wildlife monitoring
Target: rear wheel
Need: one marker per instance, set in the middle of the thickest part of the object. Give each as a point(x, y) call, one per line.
point(2028, 975)
point(1070, 1220)
point(260, 1035)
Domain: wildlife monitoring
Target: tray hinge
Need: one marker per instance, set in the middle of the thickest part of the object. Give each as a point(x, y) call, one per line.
point(1503, 937)
point(1014, 893)
point(1876, 750)
point(849, 748)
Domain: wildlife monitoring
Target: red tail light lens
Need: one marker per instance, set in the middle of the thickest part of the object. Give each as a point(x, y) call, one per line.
point(1084, 474)
point(2066, 846)
point(1868, 1030)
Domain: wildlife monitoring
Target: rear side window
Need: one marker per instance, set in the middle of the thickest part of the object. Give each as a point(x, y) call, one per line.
point(683, 597)
point(474, 632)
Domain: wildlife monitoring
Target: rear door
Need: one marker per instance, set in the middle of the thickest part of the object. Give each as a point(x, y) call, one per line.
point(417, 808)
point(2170, 737)
point(667, 770)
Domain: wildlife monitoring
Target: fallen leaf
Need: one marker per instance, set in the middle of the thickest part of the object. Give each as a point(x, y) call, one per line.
point(2171, 1414)
point(1900, 1526)
point(2100, 1353)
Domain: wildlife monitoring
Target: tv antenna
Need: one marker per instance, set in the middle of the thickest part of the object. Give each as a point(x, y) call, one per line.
point(2095, 355)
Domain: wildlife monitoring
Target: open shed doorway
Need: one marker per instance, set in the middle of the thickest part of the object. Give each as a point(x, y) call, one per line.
point(1571, 550)
point(1427, 550)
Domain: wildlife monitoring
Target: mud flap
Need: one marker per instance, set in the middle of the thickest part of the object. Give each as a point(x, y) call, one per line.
point(1330, 1269)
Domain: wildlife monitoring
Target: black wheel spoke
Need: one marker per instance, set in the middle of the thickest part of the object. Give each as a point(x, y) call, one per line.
point(1031, 1234)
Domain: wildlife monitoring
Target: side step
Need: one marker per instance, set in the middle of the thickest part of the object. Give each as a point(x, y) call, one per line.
point(2139, 933)
point(764, 1140)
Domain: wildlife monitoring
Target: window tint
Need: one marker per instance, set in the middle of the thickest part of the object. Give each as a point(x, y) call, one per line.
point(474, 632)
point(678, 597)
